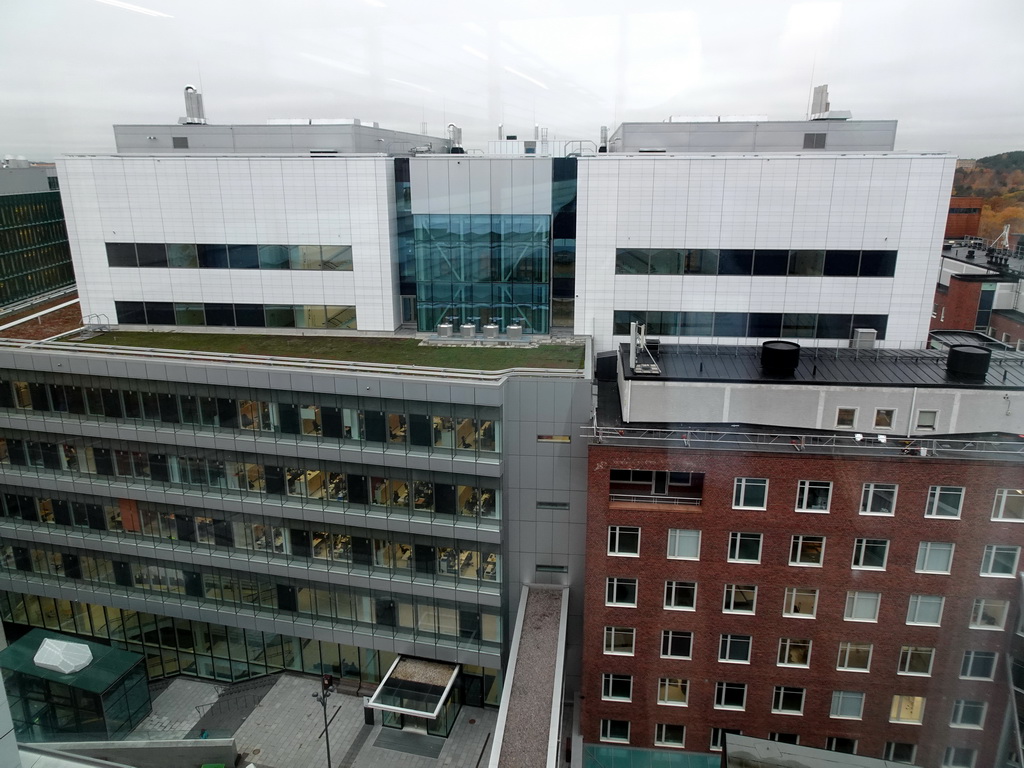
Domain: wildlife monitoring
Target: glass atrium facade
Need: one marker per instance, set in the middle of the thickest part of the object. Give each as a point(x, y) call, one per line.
point(34, 253)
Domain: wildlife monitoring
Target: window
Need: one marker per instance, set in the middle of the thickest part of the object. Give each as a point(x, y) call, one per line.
point(878, 499)
point(978, 665)
point(900, 752)
point(623, 541)
point(926, 420)
point(787, 700)
point(794, 652)
point(814, 140)
point(846, 418)
point(784, 738)
point(676, 644)
point(944, 501)
point(744, 547)
point(739, 598)
point(718, 736)
point(616, 687)
point(620, 591)
point(801, 602)
point(179, 142)
point(885, 418)
point(615, 730)
point(813, 496)
point(680, 595)
point(669, 735)
point(988, 613)
point(925, 609)
point(870, 554)
point(673, 691)
point(1009, 505)
point(841, 744)
point(553, 438)
point(862, 606)
point(734, 649)
point(999, 560)
point(750, 493)
point(968, 714)
point(934, 557)
point(959, 757)
point(730, 695)
point(807, 550)
point(619, 641)
point(847, 705)
point(683, 545)
point(854, 657)
point(906, 709)
point(916, 660)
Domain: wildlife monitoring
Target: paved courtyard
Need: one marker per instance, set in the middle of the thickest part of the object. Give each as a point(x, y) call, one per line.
point(286, 731)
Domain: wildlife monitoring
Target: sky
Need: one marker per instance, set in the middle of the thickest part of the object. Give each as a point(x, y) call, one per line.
point(950, 71)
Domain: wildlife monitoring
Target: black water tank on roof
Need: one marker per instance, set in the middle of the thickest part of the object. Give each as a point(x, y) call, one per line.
point(779, 358)
point(968, 362)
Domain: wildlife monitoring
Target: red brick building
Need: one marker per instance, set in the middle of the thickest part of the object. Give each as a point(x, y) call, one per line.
point(856, 592)
point(964, 217)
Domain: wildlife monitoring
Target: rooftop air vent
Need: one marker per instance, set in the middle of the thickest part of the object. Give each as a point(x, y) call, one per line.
point(779, 359)
point(968, 362)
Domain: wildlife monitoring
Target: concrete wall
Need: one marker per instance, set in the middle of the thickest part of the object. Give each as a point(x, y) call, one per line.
point(185, 753)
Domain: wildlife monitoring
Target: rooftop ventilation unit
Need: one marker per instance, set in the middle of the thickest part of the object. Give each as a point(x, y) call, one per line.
point(779, 359)
point(863, 338)
point(641, 359)
point(194, 113)
point(968, 363)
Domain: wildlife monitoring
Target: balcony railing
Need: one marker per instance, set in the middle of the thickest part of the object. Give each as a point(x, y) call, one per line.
point(817, 444)
point(685, 501)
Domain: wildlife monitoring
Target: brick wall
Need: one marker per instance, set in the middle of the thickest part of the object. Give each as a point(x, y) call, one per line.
point(957, 307)
point(716, 519)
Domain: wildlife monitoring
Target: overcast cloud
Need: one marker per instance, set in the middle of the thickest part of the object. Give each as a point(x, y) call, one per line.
point(950, 71)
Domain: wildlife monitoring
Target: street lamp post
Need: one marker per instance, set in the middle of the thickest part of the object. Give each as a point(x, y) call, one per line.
point(326, 689)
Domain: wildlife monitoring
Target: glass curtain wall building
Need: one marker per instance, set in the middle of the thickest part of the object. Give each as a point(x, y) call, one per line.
point(227, 522)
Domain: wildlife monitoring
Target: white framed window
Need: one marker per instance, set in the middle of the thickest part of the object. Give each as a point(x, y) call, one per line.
point(750, 493)
point(968, 714)
point(978, 665)
point(680, 595)
point(676, 644)
point(944, 501)
point(620, 591)
point(989, 613)
point(907, 709)
point(854, 657)
point(616, 687)
point(870, 554)
point(878, 499)
point(744, 547)
point(683, 544)
point(1000, 561)
point(900, 752)
point(673, 691)
point(925, 609)
point(959, 757)
point(927, 420)
point(730, 695)
point(734, 649)
point(935, 556)
point(801, 602)
point(841, 744)
point(862, 606)
point(739, 598)
point(807, 550)
point(813, 496)
point(916, 660)
point(623, 541)
point(794, 652)
point(1009, 505)
point(619, 641)
point(787, 700)
point(615, 730)
point(846, 418)
point(847, 705)
point(670, 735)
point(885, 418)
point(718, 736)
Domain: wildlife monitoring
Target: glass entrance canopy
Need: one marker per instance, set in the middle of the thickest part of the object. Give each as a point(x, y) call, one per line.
point(415, 687)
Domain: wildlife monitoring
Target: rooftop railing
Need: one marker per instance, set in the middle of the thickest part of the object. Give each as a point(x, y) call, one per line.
point(854, 444)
